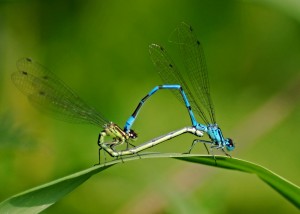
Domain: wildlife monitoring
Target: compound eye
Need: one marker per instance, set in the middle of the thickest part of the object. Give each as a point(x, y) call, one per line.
point(229, 144)
point(132, 134)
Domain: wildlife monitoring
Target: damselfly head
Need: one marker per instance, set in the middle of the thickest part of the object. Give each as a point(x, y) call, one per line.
point(229, 144)
point(132, 134)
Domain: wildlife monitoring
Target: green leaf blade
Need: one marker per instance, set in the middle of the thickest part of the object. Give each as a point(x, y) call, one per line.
point(40, 198)
point(287, 189)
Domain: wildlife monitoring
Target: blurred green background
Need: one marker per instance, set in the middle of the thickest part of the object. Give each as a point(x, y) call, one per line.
point(100, 49)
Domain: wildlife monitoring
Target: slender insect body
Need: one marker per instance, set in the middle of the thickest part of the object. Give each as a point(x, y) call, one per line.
point(48, 93)
point(118, 135)
point(217, 138)
point(215, 134)
point(51, 95)
point(196, 100)
point(151, 143)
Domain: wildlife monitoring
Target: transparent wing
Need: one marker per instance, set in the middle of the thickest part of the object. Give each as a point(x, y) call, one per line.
point(194, 61)
point(51, 95)
point(170, 75)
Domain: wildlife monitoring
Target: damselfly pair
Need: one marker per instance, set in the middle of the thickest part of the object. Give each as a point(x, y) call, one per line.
point(49, 94)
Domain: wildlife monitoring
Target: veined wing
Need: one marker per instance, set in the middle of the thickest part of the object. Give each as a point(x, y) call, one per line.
point(194, 61)
point(170, 75)
point(51, 95)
